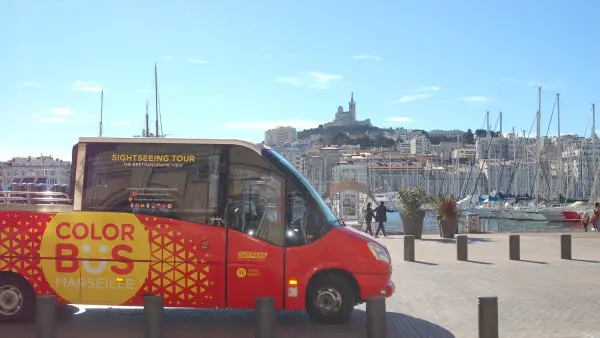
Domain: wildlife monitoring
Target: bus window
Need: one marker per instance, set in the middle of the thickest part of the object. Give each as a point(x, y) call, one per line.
point(254, 204)
point(304, 221)
point(178, 181)
point(255, 200)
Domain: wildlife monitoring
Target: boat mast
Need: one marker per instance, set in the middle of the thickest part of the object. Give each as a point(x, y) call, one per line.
point(147, 133)
point(538, 144)
point(593, 192)
point(101, 110)
point(560, 182)
point(156, 97)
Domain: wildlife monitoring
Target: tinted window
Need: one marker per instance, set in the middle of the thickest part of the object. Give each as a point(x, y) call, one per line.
point(255, 203)
point(304, 220)
point(178, 181)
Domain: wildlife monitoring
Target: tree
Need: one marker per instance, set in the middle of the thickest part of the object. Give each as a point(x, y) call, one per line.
point(480, 133)
point(468, 137)
point(340, 138)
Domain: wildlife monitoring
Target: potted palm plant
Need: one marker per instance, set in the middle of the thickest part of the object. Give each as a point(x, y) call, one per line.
point(447, 215)
point(412, 215)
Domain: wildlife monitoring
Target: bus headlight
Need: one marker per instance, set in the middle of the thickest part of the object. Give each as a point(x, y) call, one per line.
point(379, 252)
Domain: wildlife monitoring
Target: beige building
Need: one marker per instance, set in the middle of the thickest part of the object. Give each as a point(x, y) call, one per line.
point(281, 136)
point(419, 145)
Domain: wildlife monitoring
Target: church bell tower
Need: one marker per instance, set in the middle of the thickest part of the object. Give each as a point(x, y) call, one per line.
point(352, 107)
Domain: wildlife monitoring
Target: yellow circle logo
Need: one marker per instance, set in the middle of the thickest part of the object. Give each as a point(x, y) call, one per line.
point(241, 272)
point(94, 257)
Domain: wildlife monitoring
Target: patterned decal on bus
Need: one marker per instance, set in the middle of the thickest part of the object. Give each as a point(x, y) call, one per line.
point(110, 258)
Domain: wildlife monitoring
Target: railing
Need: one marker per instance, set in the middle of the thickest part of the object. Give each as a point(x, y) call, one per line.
point(34, 197)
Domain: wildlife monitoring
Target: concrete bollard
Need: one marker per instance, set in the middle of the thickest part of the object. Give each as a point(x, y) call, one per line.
point(462, 253)
point(409, 248)
point(514, 247)
point(153, 317)
point(265, 317)
point(45, 316)
point(488, 317)
point(565, 246)
point(376, 318)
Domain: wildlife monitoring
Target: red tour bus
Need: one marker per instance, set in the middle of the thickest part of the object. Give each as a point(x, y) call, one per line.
point(202, 223)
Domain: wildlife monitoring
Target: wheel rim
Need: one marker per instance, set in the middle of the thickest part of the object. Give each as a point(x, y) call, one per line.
point(11, 300)
point(328, 300)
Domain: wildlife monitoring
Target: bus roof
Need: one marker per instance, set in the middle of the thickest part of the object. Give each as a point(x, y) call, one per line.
point(247, 144)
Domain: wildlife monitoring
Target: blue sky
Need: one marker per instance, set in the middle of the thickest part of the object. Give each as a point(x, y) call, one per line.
point(235, 68)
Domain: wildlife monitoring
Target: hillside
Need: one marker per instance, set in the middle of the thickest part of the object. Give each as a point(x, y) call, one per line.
point(363, 135)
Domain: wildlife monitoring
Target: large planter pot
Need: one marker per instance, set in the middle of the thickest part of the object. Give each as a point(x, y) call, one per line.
point(448, 227)
point(412, 223)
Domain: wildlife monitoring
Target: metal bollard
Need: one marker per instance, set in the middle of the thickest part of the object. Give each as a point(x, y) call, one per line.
point(565, 246)
point(409, 248)
point(265, 317)
point(462, 253)
point(45, 316)
point(376, 318)
point(488, 317)
point(514, 247)
point(153, 317)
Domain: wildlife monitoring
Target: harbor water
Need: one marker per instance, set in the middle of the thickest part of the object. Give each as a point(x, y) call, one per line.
point(430, 225)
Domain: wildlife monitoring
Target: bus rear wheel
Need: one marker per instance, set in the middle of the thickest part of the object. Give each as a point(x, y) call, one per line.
point(330, 300)
point(17, 300)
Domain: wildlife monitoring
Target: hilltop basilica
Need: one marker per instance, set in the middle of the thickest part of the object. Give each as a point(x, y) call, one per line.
point(347, 118)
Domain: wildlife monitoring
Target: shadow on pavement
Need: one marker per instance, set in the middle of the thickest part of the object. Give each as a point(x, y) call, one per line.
point(529, 261)
point(585, 260)
point(180, 323)
point(480, 262)
point(424, 263)
point(453, 240)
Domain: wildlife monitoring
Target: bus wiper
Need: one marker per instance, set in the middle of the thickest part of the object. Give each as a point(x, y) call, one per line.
point(341, 222)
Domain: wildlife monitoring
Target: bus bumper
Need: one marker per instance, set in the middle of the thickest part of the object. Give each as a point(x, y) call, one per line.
point(375, 286)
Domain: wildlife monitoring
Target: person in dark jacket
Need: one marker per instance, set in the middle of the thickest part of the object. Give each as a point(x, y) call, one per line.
point(369, 218)
point(381, 217)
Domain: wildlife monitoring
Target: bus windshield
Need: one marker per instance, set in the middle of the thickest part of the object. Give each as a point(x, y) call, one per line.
point(282, 162)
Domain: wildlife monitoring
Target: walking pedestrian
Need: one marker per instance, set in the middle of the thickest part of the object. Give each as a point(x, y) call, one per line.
point(369, 218)
point(381, 217)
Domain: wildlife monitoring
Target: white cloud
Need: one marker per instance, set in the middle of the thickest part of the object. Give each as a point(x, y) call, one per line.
point(168, 58)
point(123, 123)
point(264, 125)
point(477, 99)
point(312, 79)
point(36, 115)
point(53, 120)
point(61, 111)
point(197, 61)
point(367, 57)
point(410, 98)
point(82, 86)
point(429, 89)
point(399, 119)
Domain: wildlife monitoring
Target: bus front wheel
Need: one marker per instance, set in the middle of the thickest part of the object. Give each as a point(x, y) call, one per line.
point(17, 300)
point(330, 300)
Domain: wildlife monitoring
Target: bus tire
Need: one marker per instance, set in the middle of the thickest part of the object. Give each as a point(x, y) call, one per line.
point(330, 300)
point(17, 299)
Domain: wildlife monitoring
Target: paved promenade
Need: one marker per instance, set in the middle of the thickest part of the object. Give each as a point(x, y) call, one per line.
point(540, 296)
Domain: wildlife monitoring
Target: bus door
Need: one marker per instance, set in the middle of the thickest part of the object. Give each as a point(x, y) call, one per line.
point(255, 236)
